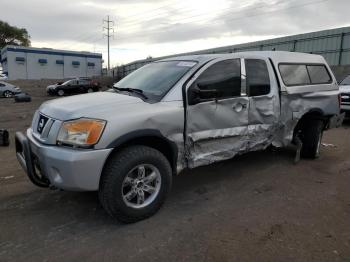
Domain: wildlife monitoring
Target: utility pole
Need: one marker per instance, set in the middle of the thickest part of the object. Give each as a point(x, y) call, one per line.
point(108, 28)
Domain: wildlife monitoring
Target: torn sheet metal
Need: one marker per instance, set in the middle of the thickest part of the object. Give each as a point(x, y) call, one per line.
point(293, 107)
point(216, 130)
point(267, 124)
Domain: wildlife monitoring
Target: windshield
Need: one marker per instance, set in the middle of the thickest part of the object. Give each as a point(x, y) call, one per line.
point(346, 81)
point(67, 82)
point(156, 79)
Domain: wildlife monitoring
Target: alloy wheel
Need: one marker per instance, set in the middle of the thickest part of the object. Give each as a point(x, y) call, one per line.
point(141, 186)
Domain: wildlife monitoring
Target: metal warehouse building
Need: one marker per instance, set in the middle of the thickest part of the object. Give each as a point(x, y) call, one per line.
point(45, 63)
point(333, 44)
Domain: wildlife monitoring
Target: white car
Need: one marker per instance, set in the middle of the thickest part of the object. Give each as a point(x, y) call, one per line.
point(7, 90)
point(344, 88)
point(3, 77)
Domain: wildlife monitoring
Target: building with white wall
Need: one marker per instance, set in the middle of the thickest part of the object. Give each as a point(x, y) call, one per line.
point(44, 63)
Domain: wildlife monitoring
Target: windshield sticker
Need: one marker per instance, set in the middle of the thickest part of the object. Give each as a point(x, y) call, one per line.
point(187, 64)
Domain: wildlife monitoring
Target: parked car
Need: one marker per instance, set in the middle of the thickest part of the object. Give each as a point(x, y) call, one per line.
point(8, 90)
point(23, 97)
point(344, 88)
point(73, 86)
point(177, 113)
point(3, 77)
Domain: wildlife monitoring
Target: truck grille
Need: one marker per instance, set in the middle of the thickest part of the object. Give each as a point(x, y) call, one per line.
point(42, 125)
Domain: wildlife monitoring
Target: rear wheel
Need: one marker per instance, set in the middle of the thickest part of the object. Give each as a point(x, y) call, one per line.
point(8, 94)
point(311, 136)
point(135, 183)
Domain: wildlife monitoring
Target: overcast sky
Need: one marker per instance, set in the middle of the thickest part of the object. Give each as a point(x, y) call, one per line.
point(160, 27)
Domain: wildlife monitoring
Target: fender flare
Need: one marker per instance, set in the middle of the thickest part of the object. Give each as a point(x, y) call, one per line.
point(144, 134)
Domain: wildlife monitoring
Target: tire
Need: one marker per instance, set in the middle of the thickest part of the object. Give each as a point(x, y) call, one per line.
point(115, 184)
point(311, 137)
point(60, 92)
point(8, 94)
point(90, 90)
point(23, 98)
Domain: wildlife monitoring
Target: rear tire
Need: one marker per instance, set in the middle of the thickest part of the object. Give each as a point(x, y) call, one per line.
point(311, 137)
point(116, 177)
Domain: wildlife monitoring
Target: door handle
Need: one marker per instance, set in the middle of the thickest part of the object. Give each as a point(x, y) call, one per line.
point(239, 107)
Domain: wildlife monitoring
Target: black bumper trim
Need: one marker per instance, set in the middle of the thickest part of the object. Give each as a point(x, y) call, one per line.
point(25, 158)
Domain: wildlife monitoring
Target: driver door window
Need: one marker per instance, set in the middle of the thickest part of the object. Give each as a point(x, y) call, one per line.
point(223, 77)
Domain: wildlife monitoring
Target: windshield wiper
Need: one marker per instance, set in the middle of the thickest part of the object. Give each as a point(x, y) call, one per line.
point(131, 90)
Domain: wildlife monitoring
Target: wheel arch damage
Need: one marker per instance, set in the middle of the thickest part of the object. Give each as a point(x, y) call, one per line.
point(148, 137)
point(296, 109)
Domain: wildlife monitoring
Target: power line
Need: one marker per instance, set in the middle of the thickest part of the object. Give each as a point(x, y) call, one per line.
point(109, 28)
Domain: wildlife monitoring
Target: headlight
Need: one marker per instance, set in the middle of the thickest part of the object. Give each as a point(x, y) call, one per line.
point(81, 132)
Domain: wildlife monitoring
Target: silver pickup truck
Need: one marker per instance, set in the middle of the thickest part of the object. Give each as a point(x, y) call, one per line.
point(183, 112)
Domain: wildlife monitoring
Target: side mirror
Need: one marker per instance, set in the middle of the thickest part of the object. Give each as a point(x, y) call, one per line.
point(197, 94)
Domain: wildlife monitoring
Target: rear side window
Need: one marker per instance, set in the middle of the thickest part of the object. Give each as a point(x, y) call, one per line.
point(319, 74)
point(304, 74)
point(258, 79)
point(224, 76)
point(83, 82)
point(294, 75)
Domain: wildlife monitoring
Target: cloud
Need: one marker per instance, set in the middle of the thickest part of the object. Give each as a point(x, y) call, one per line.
point(160, 26)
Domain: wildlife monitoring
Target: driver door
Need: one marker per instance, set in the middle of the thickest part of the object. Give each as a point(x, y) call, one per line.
point(217, 113)
point(73, 87)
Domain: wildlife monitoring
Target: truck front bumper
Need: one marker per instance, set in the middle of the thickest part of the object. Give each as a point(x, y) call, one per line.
point(64, 168)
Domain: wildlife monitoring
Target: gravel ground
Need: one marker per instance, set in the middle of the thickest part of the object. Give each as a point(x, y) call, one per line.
point(255, 207)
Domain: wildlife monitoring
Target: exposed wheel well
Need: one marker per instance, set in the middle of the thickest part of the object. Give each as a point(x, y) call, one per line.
point(167, 148)
point(304, 120)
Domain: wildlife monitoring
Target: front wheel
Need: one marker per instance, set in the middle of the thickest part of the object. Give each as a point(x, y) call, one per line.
point(311, 137)
point(60, 92)
point(135, 183)
point(8, 94)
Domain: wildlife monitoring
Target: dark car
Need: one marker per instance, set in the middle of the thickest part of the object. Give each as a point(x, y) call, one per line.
point(74, 86)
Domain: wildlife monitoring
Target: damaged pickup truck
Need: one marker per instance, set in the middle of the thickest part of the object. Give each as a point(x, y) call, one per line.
point(173, 114)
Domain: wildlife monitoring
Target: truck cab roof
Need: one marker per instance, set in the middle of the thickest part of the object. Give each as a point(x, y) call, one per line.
point(276, 56)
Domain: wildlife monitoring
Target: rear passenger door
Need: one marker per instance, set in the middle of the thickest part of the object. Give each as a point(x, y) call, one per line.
point(264, 107)
point(83, 86)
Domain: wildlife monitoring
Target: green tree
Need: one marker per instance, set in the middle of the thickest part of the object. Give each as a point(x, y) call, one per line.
point(12, 35)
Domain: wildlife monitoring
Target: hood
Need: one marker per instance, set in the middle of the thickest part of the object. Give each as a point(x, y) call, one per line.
point(98, 105)
point(344, 88)
point(52, 86)
point(8, 85)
